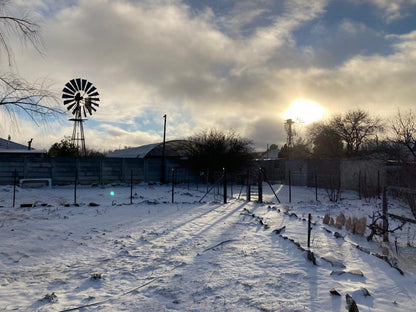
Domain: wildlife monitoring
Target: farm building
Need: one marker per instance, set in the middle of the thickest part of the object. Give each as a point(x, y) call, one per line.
point(152, 156)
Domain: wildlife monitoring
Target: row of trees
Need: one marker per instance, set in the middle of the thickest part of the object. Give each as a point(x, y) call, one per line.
point(357, 133)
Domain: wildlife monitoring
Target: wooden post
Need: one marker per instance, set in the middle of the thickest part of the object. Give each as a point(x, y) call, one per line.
point(359, 184)
point(309, 230)
point(75, 186)
point(173, 185)
point(316, 187)
point(378, 183)
point(131, 186)
point(248, 186)
point(225, 186)
point(290, 186)
point(385, 217)
point(14, 187)
point(260, 186)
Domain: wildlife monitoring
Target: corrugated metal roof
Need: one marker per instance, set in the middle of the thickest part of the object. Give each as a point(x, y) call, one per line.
point(172, 148)
point(7, 144)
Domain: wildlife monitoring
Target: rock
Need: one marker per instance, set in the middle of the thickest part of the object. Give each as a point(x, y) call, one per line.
point(352, 305)
point(26, 205)
point(337, 272)
point(326, 218)
point(331, 221)
point(278, 231)
point(337, 235)
point(334, 261)
point(355, 272)
point(311, 257)
point(365, 292)
point(92, 204)
point(333, 292)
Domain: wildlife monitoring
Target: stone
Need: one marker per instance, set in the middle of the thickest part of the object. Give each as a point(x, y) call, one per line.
point(352, 305)
point(331, 221)
point(334, 292)
point(355, 272)
point(92, 204)
point(365, 292)
point(311, 257)
point(334, 261)
point(279, 230)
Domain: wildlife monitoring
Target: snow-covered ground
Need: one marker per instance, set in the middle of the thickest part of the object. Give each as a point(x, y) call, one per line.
point(153, 255)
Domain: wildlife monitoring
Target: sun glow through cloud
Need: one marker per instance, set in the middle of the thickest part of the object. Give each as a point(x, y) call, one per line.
point(304, 111)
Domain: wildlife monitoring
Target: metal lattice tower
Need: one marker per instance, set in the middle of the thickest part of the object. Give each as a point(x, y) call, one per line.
point(81, 96)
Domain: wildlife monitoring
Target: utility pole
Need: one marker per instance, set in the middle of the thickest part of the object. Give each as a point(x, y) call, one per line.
point(163, 152)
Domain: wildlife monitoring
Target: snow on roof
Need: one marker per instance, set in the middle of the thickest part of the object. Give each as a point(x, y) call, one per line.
point(172, 148)
point(134, 152)
point(7, 144)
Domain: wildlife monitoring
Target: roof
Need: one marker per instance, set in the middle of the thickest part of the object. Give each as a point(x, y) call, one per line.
point(174, 148)
point(7, 144)
point(272, 154)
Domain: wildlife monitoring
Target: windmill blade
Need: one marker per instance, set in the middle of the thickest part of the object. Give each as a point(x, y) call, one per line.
point(70, 106)
point(69, 101)
point(67, 90)
point(83, 110)
point(67, 96)
point(92, 89)
point(93, 108)
point(89, 109)
point(89, 85)
point(83, 83)
point(69, 86)
point(96, 104)
point(78, 80)
point(93, 94)
point(95, 99)
point(74, 84)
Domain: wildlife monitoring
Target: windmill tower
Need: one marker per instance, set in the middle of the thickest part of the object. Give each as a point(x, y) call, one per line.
point(289, 131)
point(81, 96)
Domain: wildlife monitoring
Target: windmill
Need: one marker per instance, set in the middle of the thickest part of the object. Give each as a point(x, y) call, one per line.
point(81, 96)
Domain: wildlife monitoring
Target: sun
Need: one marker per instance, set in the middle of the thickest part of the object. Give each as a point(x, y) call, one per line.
point(305, 111)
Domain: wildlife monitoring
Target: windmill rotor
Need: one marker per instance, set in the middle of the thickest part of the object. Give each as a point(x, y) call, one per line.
point(80, 98)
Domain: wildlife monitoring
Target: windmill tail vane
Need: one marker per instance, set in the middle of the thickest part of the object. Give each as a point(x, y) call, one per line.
point(81, 98)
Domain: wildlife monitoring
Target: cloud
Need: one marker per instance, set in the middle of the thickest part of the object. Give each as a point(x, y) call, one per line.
point(236, 70)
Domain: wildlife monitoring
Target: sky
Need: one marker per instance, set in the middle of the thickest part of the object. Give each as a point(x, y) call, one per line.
point(232, 65)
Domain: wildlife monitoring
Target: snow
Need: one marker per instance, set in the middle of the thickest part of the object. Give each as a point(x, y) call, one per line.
point(154, 255)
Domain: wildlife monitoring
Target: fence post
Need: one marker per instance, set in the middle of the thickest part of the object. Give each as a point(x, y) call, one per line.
point(260, 186)
point(359, 185)
point(309, 230)
point(248, 186)
point(378, 183)
point(385, 217)
point(173, 185)
point(290, 186)
point(316, 187)
point(225, 185)
point(14, 187)
point(131, 186)
point(75, 182)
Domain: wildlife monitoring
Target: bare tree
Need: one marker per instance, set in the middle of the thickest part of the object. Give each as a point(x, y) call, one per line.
point(16, 94)
point(355, 127)
point(403, 127)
